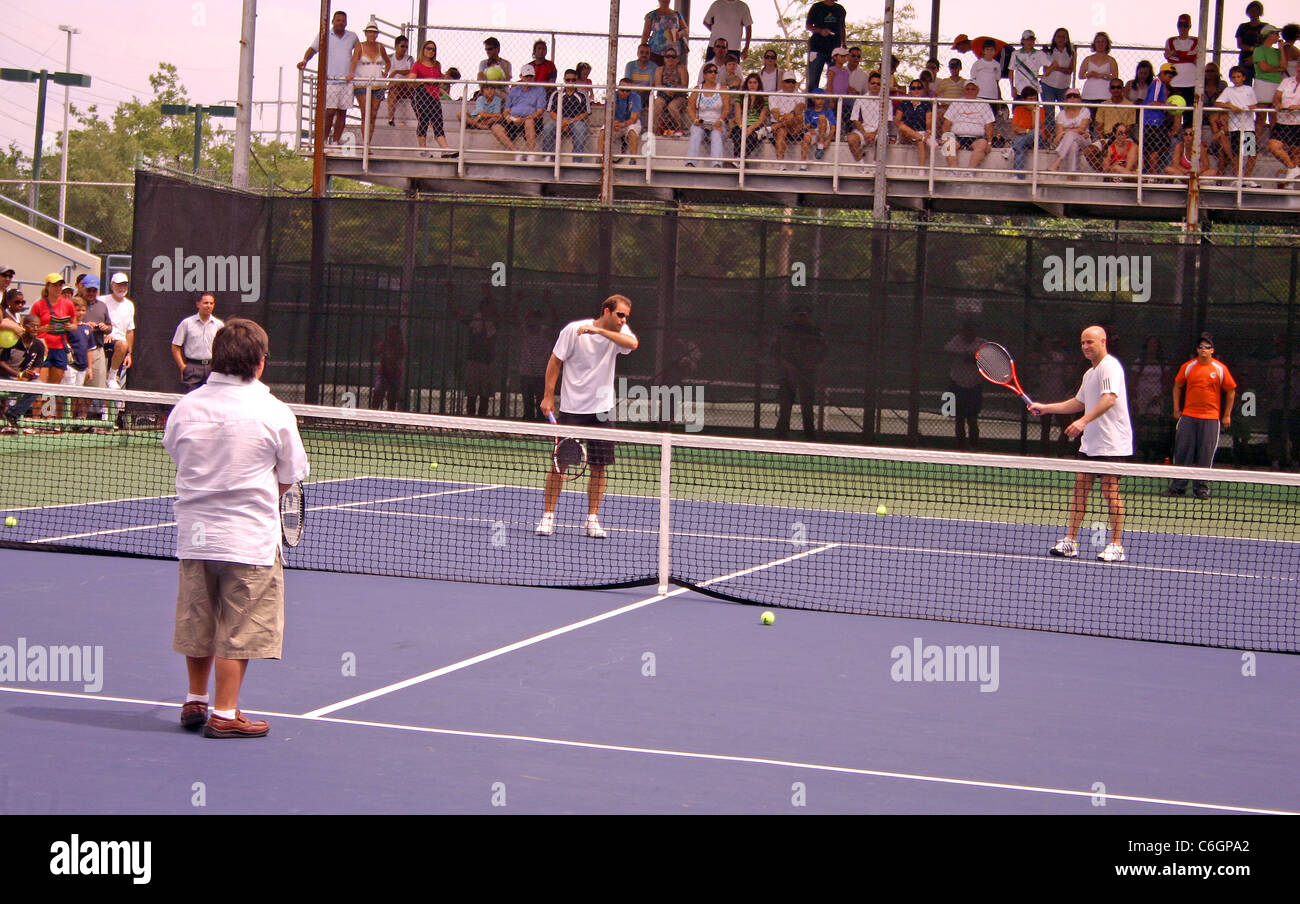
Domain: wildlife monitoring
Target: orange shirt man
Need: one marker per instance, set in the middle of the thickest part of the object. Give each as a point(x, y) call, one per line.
point(1204, 391)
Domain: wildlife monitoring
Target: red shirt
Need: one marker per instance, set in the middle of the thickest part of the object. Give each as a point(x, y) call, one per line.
point(543, 71)
point(423, 70)
point(54, 323)
point(1204, 385)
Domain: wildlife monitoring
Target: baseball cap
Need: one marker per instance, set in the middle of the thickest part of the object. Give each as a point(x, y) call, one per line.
point(1266, 30)
point(790, 76)
point(1073, 92)
point(970, 84)
point(69, 290)
point(1028, 35)
point(840, 51)
point(961, 39)
point(1205, 337)
point(6, 271)
point(119, 278)
point(53, 278)
point(1168, 67)
point(527, 70)
point(90, 282)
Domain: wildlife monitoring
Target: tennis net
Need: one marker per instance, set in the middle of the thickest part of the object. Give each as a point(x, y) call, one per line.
point(944, 536)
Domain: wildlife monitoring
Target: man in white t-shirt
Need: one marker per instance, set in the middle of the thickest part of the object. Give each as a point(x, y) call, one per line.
point(338, 91)
point(727, 19)
point(585, 354)
point(1107, 436)
point(121, 314)
point(971, 123)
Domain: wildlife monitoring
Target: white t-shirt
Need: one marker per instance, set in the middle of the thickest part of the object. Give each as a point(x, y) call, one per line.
point(1185, 74)
point(784, 102)
point(867, 109)
point(859, 80)
point(1288, 93)
point(1239, 96)
point(587, 381)
point(121, 314)
point(986, 73)
point(340, 60)
point(1112, 433)
point(728, 19)
point(968, 118)
point(232, 442)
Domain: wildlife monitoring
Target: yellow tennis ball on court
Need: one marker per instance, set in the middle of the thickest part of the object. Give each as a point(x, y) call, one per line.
point(11, 521)
point(767, 618)
point(881, 510)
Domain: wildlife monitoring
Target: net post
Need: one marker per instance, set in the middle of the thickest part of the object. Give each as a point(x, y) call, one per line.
point(665, 473)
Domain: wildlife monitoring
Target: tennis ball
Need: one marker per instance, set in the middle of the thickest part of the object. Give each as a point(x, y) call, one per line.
point(494, 74)
point(1178, 100)
point(433, 466)
point(8, 338)
point(881, 510)
point(767, 618)
point(11, 521)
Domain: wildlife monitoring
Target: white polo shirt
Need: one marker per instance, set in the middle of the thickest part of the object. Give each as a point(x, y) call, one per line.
point(587, 382)
point(1112, 433)
point(121, 314)
point(340, 60)
point(233, 444)
point(867, 110)
point(195, 337)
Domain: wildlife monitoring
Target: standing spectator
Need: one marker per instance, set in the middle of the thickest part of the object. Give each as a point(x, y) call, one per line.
point(1248, 38)
point(6, 277)
point(964, 44)
point(1072, 132)
point(55, 313)
point(367, 71)
point(966, 385)
point(399, 67)
point(1155, 121)
point(953, 87)
point(480, 352)
point(708, 110)
point(1152, 380)
point(1098, 70)
point(525, 104)
point(1053, 381)
point(11, 314)
point(1269, 70)
point(1107, 435)
point(80, 339)
point(864, 121)
point(1283, 411)
point(987, 73)
point(1026, 65)
point(727, 19)
point(1204, 391)
point(192, 343)
point(915, 120)
point(237, 450)
point(101, 329)
point(390, 368)
point(665, 30)
point(971, 123)
point(338, 92)
point(567, 112)
point(23, 361)
point(543, 69)
point(770, 75)
point(787, 114)
point(670, 106)
point(800, 349)
point(1137, 89)
point(857, 75)
point(1284, 140)
point(492, 47)
point(534, 352)
point(826, 23)
point(121, 316)
point(641, 72)
point(837, 75)
point(585, 354)
point(1240, 101)
point(428, 99)
point(1057, 72)
point(1181, 51)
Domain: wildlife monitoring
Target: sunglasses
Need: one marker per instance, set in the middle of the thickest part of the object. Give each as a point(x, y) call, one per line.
point(667, 55)
point(570, 81)
point(915, 87)
point(771, 57)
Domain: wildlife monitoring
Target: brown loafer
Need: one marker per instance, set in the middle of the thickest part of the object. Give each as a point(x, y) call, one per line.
point(238, 727)
point(194, 714)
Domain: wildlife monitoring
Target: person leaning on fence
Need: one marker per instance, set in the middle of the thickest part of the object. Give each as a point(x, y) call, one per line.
point(399, 67)
point(1284, 140)
point(1239, 100)
point(338, 90)
point(1204, 391)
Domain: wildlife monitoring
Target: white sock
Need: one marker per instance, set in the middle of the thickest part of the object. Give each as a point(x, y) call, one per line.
point(196, 698)
point(224, 713)
point(592, 519)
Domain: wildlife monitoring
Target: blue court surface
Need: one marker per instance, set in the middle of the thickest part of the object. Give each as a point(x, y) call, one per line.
point(401, 695)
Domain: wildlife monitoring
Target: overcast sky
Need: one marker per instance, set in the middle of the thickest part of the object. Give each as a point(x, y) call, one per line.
point(120, 44)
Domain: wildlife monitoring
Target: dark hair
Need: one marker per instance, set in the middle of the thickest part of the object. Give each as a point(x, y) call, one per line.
point(1027, 92)
point(238, 348)
point(492, 42)
point(11, 294)
point(1138, 69)
point(1290, 32)
point(1237, 69)
point(1051, 45)
point(1253, 4)
point(614, 301)
point(572, 72)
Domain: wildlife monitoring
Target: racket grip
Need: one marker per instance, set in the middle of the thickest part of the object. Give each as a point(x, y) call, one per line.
point(550, 416)
point(1028, 401)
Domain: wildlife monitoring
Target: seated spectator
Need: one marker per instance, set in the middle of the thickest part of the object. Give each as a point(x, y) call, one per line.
point(1026, 128)
point(641, 72)
point(489, 111)
point(971, 123)
point(1120, 157)
point(627, 120)
point(757, 115)
point(399, 67)
point(927, 78)
point(1105, 117)
point(567, 112)
point(1239, 100)
point(708, 109)
point(787, 114)
point(492, 47)
point(915, 120)
point(1284, 142)
point(543, 69)
point(864, 121)
point(584, 80)
point(670, 105)
point(1181, 164)
point(525, 103)
point(1073, 128)
point(819, 120)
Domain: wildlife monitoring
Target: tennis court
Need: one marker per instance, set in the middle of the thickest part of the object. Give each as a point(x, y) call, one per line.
point(550, 674)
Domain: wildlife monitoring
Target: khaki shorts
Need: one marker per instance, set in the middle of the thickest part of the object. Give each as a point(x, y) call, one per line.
point(230, 610)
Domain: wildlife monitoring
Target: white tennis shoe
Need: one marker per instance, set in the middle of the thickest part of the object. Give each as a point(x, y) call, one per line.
point(594, 529)
point(1112, 553)
point(546, 526)
point(1066, 548)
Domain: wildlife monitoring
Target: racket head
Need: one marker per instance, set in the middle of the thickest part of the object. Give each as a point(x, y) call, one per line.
point(995, 364)
point(293, 511)
point(570, 458)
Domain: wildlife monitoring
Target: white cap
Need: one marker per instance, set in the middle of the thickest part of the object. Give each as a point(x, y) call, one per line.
point(527, 70)
point(790, 75)
point(119, 278)
point(840, 51)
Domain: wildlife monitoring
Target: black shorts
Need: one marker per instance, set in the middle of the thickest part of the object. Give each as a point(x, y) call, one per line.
point(1236, 143)
point(599, 451)
point(1288, 135)
point(1083, 456)
point(966, 142)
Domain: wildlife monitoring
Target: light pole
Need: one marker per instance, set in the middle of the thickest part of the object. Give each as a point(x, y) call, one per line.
point(63, 167)
point(198, 110)
point(44, 77)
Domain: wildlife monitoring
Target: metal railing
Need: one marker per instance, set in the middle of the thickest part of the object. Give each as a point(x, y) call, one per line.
point(54, 221)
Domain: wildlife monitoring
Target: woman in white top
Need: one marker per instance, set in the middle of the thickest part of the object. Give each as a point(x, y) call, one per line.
point(399, 67)
point(369, 66)
point(1056, 74)
point(1097, 70)
point(1072, 131)
point(708, 110)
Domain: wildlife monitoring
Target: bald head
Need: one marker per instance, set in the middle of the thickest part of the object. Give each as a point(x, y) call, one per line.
point(1093, 343)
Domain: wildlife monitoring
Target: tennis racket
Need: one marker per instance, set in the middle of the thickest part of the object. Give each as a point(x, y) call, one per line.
point(996, 366)
point(292, 514)
point(570, 455)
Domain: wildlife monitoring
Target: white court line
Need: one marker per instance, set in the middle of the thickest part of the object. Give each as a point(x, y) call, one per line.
point(692, 755)
point(547, 635)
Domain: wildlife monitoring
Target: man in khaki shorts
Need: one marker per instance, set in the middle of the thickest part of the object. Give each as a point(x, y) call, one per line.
point(230, 432)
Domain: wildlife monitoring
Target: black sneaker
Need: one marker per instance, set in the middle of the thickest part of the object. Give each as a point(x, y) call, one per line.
point(1170, 491)
point(1202, 492)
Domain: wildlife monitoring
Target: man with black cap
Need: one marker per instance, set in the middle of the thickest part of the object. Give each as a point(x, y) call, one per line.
point(1204, 391)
